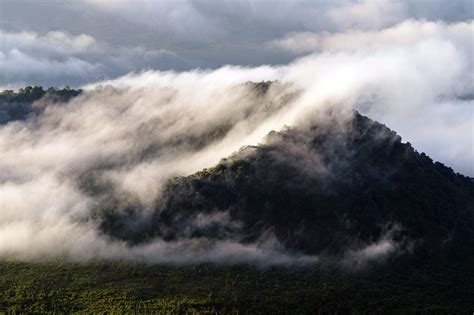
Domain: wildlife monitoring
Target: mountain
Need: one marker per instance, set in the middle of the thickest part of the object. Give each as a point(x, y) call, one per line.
point(344, 189)
point(341, 187)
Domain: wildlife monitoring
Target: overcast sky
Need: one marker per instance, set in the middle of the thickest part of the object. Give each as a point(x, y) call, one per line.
point(52, 42)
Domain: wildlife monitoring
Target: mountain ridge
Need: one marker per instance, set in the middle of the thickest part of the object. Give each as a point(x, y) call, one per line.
point(340, 187)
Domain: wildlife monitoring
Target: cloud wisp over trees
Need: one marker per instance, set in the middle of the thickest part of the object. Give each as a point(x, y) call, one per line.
point(139, 124)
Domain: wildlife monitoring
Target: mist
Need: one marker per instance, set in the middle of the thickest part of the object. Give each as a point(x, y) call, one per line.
point(130, 135)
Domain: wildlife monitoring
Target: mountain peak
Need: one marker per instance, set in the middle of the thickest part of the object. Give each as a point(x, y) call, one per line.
point(334, 188)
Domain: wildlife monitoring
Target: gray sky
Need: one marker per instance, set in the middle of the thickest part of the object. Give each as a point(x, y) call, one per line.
point(421, 84)
point(119, 36)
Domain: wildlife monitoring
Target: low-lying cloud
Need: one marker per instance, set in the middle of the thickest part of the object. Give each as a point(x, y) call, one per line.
point(133, 133)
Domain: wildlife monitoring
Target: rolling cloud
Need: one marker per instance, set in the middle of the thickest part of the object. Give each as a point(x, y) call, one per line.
point(134, 128)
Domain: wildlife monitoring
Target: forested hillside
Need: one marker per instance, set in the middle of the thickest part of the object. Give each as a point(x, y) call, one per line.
point(19, 105)
point(365, 223)
point(349, 189)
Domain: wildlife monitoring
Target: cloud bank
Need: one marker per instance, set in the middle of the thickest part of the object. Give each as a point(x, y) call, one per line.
point(132, 133)
point(27, 58)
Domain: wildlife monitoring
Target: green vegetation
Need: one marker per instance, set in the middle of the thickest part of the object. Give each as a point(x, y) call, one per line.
point(326, 190)
point(19, 105)
point(120, 287)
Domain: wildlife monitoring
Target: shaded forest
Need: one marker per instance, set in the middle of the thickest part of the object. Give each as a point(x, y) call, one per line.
point(19, 105)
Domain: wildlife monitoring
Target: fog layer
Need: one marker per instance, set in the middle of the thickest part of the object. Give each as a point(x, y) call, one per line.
point(129, 135)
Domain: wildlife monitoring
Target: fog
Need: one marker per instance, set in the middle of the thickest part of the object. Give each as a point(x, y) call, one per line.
point(129, 135)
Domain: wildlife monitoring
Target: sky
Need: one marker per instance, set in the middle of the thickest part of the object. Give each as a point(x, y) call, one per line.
point(157, 74)
point(74, 42)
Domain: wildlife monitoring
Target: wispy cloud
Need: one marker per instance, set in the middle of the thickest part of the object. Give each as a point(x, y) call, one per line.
point(130, 134)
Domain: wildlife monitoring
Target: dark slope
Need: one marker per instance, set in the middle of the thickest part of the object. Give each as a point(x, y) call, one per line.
point(20, 105)
point(337, 186)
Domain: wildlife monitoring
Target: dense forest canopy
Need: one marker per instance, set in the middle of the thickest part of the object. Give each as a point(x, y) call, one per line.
point(351, 190)
point(346, 189)
point(19, 105)
point(243, 157)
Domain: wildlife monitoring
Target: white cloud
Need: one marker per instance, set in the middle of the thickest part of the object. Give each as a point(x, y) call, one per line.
point(415, 76)
point(404, 34)
point(200, 33)
point(298, 43)
point(368, 14)
point(61, 58)
point(127, 137)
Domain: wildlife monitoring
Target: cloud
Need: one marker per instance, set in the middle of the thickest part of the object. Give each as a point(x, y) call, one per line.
point(368, 14)
point(431, 96)
point(25, 56)
point(60, 58)
point(183, 18)
point(128, 135)
point(379, 14)
point(131, 134)
point(144, 34)
point(378, 251)
point(80, 242)
point(404, 34)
